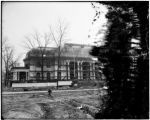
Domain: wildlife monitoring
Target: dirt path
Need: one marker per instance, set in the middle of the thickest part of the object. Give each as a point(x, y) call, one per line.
point(30, 92)
point(47, 111)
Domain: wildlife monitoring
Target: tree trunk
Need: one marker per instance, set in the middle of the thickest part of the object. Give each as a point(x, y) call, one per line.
point(6, 78)
point(58, 69)
point(42, 68)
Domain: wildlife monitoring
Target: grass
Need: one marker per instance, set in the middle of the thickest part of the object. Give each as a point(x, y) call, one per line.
point(41, 106)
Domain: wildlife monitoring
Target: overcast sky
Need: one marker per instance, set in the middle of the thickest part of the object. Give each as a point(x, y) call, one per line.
point(22, 18)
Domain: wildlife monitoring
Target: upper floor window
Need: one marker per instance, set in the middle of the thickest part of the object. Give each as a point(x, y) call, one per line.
point(38, 64)
point(27, 65)
point(48, 65)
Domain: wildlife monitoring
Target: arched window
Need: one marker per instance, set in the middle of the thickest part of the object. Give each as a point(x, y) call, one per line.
point(86, 70)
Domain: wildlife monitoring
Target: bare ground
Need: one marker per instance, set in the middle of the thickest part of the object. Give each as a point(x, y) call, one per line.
point(63, 104)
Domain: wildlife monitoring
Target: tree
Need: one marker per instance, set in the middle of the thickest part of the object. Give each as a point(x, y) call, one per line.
point(8, 60)
point(123, 68)
point(36, 40)
point(58, 35)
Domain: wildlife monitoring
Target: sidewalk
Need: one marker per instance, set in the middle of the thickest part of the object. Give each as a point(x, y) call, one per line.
point(30, 92)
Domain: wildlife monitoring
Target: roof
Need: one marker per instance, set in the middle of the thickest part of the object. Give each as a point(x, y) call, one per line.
point(49, 51)
point(76, 50)
point(68, 50)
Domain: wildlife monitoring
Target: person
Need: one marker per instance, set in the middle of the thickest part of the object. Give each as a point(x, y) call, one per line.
point(50, 92)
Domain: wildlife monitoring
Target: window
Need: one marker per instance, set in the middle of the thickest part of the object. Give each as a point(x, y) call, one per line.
point(73, 70)
point(59, 75)
point(48, 65)
point(27, 65)
point(48, 75)
point(38, 64)
point(86, 70)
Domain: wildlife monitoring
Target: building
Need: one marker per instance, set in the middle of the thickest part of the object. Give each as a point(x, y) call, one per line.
point(75, 64)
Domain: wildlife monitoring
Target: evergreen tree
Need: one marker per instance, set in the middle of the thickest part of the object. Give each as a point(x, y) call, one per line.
point(124, 64)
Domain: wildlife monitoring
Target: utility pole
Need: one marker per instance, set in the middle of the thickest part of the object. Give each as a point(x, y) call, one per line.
point(58, 69)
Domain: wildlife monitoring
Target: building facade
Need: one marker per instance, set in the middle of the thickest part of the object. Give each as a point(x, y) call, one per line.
point(41, 64)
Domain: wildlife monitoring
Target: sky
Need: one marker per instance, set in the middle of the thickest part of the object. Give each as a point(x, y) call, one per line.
point(19, 19)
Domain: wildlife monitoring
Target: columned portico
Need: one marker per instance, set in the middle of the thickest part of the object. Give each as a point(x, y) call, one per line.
point(20, 74)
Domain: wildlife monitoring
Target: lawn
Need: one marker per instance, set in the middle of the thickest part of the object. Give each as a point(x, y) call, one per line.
point(63, 104)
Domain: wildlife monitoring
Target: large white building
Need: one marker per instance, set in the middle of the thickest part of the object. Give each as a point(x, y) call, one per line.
point(75, 63)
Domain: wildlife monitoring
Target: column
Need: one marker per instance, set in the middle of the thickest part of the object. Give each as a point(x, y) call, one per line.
point(61, 70)
point(78, 68)
point(17, 76)
point(26, 76)
point(94, 71)
point(81, 72)
point(91, 71)
point(55, 70)
point(68, 69)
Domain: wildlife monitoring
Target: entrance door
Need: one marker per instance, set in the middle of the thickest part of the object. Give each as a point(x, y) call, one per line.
point(22, 76)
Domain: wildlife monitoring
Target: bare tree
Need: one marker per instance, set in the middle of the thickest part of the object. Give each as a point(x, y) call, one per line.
point(8, 60)
point(59, 36)
point(36, 40)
